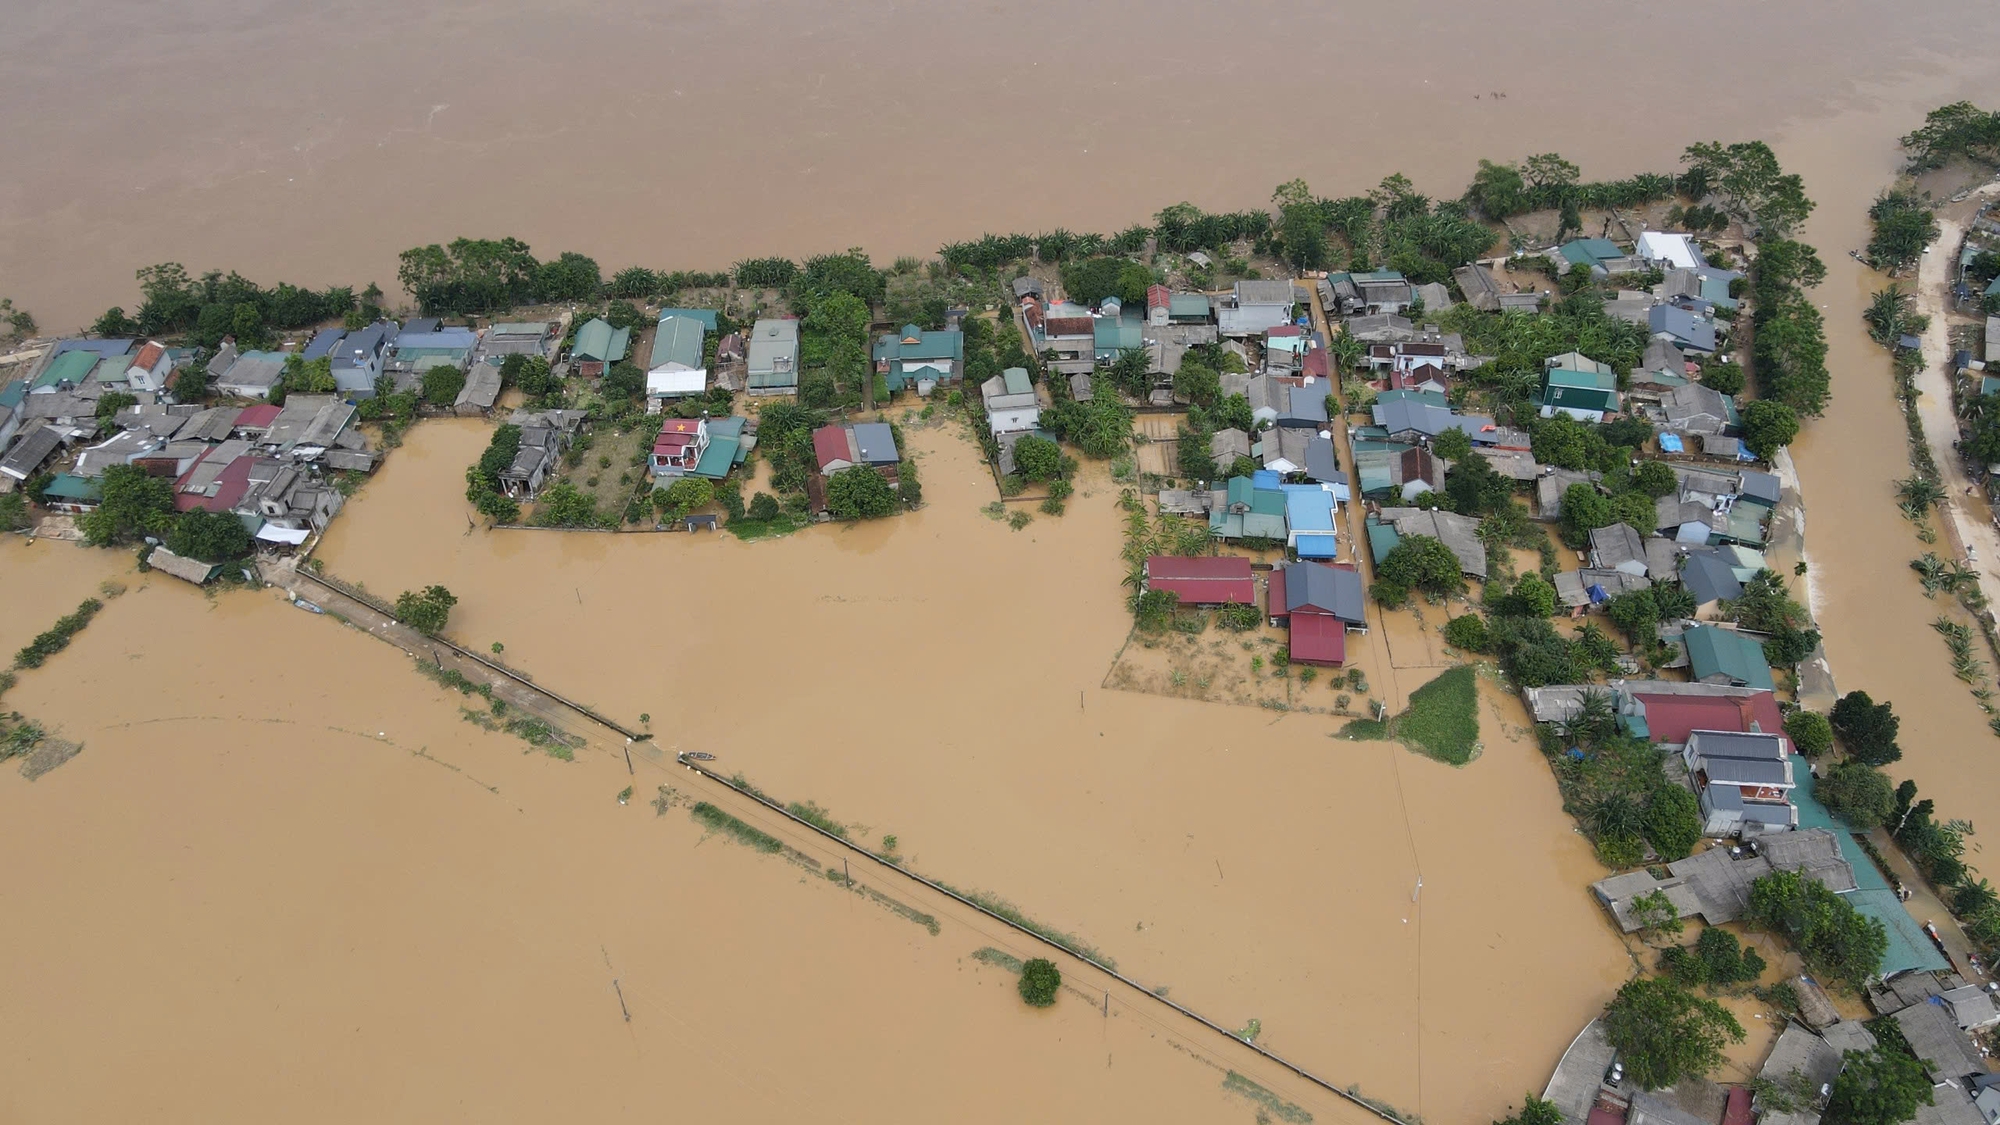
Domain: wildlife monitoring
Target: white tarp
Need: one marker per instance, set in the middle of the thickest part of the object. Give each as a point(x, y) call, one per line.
point(271, 533)
point(1676, 250)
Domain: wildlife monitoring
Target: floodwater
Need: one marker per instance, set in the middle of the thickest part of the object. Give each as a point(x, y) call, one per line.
point(247, 906)
point(936, 677)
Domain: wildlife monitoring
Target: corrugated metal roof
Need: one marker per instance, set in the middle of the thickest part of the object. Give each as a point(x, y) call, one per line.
point(677, 341)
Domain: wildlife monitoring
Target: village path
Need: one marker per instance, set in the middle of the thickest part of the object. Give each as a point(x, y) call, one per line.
point(1966, 514)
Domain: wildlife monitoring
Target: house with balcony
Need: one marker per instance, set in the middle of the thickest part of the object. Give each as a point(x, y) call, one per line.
point(1743, 781)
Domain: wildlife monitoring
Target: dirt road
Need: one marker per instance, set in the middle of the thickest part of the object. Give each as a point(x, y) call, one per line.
point(1969, 518)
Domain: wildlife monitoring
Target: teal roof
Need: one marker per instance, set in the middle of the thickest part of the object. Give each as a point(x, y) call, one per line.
point(1591, 251)
point(718, 458)
point(707, 317)
point(1382, 539)
point(1265, 502)
point(1716, 291)
point(1375, 277)
point(1117, 334)
point(69, 367)
point(1239, 490)
point(1988, 384)
point(597, 340)
point(1993, 287)
point(1746, 524)
point(916, 345)
point(1713, 651)
point(1434, 398)
point(1578, 370)
point(1187, 305)
point(678, 340)
point(11, 394)
point(1017, 381)
point(1872, 896)
point(1225, 524)
point(69, 486)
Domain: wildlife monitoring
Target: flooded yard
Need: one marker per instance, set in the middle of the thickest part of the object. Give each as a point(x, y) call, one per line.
point(937, 677)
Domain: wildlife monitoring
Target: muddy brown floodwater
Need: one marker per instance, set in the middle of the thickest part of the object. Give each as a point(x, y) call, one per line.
point(285, 879)
point(936, 677)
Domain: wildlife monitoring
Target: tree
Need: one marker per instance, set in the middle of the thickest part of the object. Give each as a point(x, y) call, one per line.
point(13, 512)
point(564, 505)
point(1656, 915)
point(1667, 1033)
point(1673, 821)
point(1904, 225)
point(1832, 938)
point(1655, 479)
point(1420, 562)
point(1866, 728)
point(531, 373)
point(1723, 378)
point(687, 494)
point(1475, 488)
point(1534, 595)
point(1584, 510)
point(1858, 794)
point(763, 507)
point(1636, 613)
point(1453, 445)
point(1197, 383)
point(1533, 1111)
point(1635, 509)
point(425, 611)
point(1880, 1086)
point(442, 384)
point(134, 505)
point(859, 493)
point(1768, 427)
point(624, 382)
point(1810, 732)
point(1037, 458)
point(1467, 633)
point(212, 537)
point(1498, 190)
point(1040, 980)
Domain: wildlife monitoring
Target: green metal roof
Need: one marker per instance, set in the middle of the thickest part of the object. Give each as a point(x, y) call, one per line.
point(1375, 277)
point(1435, 398)
point(916, 345)
point(1239, 490)
point(678, 340)
point(12, 393)
point(1873, 897)
point(1713, 651)
point(1225, 524)
point(597, 340)
point(707, 317)
point(1265, 502)
point(1382, 539)
point(1118, 333)
point(1993, 287)
point(69, 367)
point(717, 458)
point(1187, 304)
point(69, 486)
point(1017, 381)
point(1591, 251)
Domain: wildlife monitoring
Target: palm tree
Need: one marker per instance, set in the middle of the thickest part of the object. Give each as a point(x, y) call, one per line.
point(1593, 722)
point(1616, 815)
point(1347, 351)
point(1917, 493)
point(1972, 898)
point(1886, 313)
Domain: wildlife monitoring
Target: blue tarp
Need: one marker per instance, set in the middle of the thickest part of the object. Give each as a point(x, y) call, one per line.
point(1670, 443)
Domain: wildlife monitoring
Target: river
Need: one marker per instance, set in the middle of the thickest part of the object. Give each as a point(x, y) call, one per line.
point(236, 869)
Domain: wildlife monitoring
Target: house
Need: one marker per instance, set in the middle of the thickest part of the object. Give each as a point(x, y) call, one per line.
point(1249, 512)
point(1725, 448)
point(598, 346)
point(185, 569)
point(1459, 533)
point(1318, 603)
point(679, 446)
point(217, 479)
point(868, 444)
point(1159, 305)
point(1255, 307)
point(1698, 409)
point(1282, 450)
point(1419, 471)
point(1709, 581)
point(1323, 466)
point(1229, 444)
point(544, 437)
point(28, 454)
point(322, 344)
point(148, 370)
point(1309, 527)
point(1417, 420)
point(1947, 1052)
point(72, 494)
point(1025, 287)
point(1530, 303)
point(915, 356)
point(1594, 254)
point(517, 338)
point(1446, 353)
point(1668, 251)
point(1579, 590)
point(1663, 365)
point(1972, 1006)
point(65, 372)
point(1081, 388)
point(1725, 656)
point(1744, 782)
point(252, 375)
point(421, 351)
point(1991, 351)
point(728, 447)
point(290, 504)
point(1285, 347)
point(1305, 408)
point(1383, 291)
point(358, 357)
point(118, 449)
point(1714, 885)
point(1382, 329)
point(1759, 488)
point(1189, 308)
point(480, 392)
point(1618, 547)
point(1010, 401)
point(1115, 332)
point(676, 368)
point(1222, 580)
point(1433, 297)
point(772, 362)
point(1578, 386)
point(709, 319)
point(1426, 377)
point(1476, 283)
point(1689, 331)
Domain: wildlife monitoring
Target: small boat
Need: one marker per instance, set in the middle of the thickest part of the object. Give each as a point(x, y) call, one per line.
point(307, 606)
point(697, 756)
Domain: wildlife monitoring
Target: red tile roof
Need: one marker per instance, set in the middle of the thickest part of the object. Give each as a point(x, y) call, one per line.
point(1158, 296)
point(1274, 595)
point(1210, 581)
point(1669, 718)
point(233, 482)
point(149, 355)
point(830, 445)
point(1315, 364)
point(1285, 330)
point(1318, 638)
point(1070, 326)
point(258, 417)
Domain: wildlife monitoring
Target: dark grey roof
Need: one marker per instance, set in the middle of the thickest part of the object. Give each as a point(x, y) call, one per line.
point(1333, 589)
point(1766, 746)
point(1321, 464)
point(1709, 579)
point(29, 451)
point(322, 343)
point(1744, 771)
point(876, 443)
point(1307, 406)
point(1685, 327)
point(422, 324)
point(1613, 546)
point(1760, 486)
point(1027, 286)
point(1936, 1038)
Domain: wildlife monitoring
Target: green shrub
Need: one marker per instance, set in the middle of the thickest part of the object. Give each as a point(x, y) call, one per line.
point(1467, 633)
point(1040, 979)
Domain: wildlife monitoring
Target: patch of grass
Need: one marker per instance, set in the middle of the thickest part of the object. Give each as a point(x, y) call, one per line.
point(1013, 914)
point(819, 818)
point(750, 530)
point(455, 680)
point(1442, 721)
point(1251, 1031)
point(57, 637)
point(1285, 1111)
point(999, 958)
point(715, 820)
point(743, 784)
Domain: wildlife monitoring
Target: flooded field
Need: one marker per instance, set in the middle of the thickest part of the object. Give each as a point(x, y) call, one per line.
point(937, 677)
point(286, 881)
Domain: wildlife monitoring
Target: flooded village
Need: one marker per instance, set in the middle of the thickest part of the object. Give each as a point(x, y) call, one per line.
point(1374, 647)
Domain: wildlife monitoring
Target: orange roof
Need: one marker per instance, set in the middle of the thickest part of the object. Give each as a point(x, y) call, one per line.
point(149, 355)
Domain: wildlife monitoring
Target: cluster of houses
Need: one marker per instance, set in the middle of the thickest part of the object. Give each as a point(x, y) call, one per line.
point(1317, 603)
